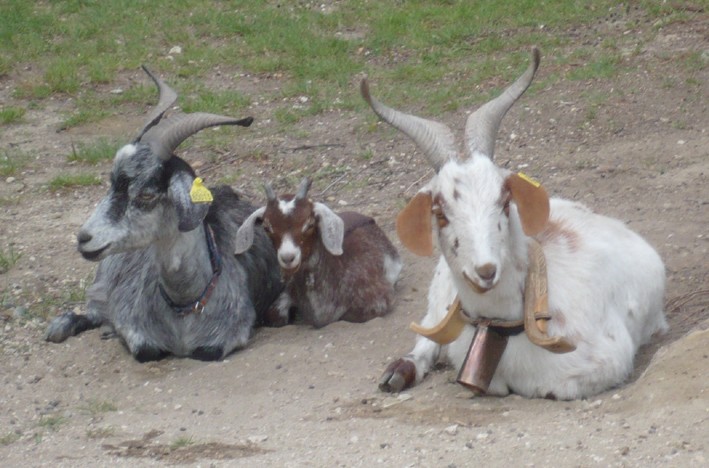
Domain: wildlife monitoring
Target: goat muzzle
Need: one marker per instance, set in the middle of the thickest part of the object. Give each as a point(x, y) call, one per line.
point(490, 338)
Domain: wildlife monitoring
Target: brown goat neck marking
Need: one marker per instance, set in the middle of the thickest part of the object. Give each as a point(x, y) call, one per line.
point(556, 232)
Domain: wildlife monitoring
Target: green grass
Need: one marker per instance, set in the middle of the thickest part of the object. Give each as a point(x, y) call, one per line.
point(12, 162)
point(8, 259)
point(8, 438)
point(99, 151)
point(52, 422)
point(65, 181)
point(11, 114)
point(80, 49)
point(181, 442)
point(96, 407)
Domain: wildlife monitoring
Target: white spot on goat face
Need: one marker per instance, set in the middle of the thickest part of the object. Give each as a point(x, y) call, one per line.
point(286, 206)
point(289, 254)
point(474, 239)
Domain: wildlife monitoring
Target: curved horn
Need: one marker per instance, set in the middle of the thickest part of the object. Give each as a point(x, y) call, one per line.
point(166, 137)
point(167, 98)
point(270, 194)
point(435, 139)
point(303, 188)
point(481, 128)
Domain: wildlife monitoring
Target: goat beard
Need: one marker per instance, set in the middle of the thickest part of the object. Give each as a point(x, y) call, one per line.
point(288, 273)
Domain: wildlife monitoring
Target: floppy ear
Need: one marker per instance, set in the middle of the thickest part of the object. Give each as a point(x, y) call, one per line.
point(245, 234)
point(332, 228)
point(189, 214)
point(413, 225)
point(532, 202)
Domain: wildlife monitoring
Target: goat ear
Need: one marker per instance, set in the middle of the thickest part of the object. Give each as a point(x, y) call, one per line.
point(189, 214)
point(332, 228)
point(245, 234)
point(413, 225)
point(532, 202)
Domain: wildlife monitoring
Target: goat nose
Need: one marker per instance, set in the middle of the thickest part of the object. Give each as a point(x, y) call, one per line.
point(83, 237)
point(486, 272)
point(287, 258)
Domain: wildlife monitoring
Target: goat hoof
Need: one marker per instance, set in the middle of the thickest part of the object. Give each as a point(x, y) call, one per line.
point(146, 354)
point(66, 325)
point(398, 376)
point(207, 353)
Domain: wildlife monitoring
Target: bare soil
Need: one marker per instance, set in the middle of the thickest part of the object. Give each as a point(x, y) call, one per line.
point(297, 396)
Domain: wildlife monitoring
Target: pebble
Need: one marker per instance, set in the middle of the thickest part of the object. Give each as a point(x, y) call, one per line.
point(451, 430)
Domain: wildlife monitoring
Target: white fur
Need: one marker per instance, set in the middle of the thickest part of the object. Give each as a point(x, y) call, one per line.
point(605, 291)
point(286, 206)
point(288, 250)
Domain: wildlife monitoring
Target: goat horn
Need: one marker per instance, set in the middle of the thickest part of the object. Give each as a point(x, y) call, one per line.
point(165, 138)
point(481, 128)
point(270, 194)
point(167, 98)
point(303, 188)
point(435, 139)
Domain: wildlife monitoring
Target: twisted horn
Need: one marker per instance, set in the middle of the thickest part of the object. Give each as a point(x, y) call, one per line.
point(303, 188)
point(166, 137)
point(481, 128)
point(270, 194)
point(167, 98)
point(435, 139)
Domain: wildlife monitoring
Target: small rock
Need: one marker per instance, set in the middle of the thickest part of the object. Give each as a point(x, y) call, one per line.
point(451, 430)
point(176, 50)
point(255, 439)
point(10, 180)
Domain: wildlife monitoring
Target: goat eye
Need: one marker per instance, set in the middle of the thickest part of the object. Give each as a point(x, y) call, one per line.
point(309, 225)
point(145, 197)
point(506, 207)
point(267, 227)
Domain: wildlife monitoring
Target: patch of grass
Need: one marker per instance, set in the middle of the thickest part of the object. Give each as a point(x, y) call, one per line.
point(52, 422)
point(8, 259)
point(12, 162)
point(83, 116)
point(8, 438)
point(65, 181)
point(224, 102)
point(93, 153)
point(96, 407)
point(441, 55)
point(181, 442)
point(11, 114)
point(606, 66)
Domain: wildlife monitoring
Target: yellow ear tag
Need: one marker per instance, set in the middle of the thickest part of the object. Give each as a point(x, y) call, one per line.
point(199, 193)
point(529, 179)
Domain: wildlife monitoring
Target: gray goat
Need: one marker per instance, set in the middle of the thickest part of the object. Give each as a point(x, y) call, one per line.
point(337, 266)
point(168, 281)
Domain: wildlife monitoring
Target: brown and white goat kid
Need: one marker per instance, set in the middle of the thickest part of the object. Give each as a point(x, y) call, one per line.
point(606, 284)
point(336, 267)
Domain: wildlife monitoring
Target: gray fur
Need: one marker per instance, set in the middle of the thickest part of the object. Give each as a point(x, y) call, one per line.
point(148, 233)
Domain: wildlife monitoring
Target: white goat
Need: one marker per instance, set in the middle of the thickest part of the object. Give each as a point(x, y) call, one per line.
point(168, 281)
point(606, 284)
point(336, 266)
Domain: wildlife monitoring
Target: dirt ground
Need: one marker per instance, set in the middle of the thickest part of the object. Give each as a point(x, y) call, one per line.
point(303, 397)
